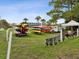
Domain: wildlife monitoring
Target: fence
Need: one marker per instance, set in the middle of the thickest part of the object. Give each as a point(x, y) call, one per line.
point(60, 37)
point(53, 41)
point(9, 39)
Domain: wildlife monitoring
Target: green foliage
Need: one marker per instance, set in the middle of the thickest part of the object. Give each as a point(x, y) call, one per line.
point(38, 18)
point(25, 20)
point(4, 24)
point(71, 9)
point(43, 21)
point(56, 12)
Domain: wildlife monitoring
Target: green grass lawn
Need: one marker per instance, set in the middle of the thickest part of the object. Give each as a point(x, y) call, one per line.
point(33, 47)
point(3, 45)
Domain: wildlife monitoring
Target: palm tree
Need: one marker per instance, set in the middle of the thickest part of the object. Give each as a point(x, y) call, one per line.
point(38, 19)
point(43, 21)
point(25, 20)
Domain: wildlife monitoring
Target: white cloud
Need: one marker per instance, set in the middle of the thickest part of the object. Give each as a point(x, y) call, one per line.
point(60, 21)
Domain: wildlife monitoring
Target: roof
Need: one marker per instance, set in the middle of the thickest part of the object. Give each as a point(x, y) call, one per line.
point(71, 23)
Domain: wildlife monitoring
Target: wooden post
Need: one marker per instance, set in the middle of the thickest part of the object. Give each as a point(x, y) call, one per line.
point(77, 31)
point(61, 35)
point(7, 31)
point(9, 46)
point(53, 41)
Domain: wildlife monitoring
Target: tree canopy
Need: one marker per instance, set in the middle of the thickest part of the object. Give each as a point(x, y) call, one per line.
point(38, 18)
point(25, 20)
point(68, 9)
point(4, 24)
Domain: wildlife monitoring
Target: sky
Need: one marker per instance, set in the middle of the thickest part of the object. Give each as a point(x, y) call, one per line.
point(14, 11)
